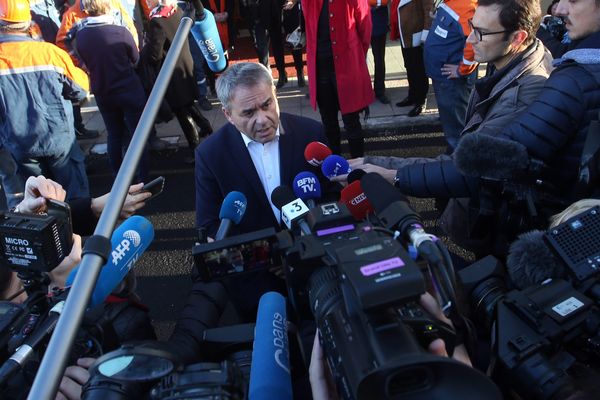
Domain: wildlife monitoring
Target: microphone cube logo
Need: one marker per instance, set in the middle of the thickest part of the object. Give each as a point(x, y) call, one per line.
point(129, 237)
point(330, 209)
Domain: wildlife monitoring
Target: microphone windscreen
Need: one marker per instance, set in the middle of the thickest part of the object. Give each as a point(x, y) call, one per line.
point(233, 207)
point(281, 196)
point(128, 242)
point(355, 175)
point(530, 261)
point(270, 368)
point(335, 165)
point(316, 152)
point(356, 201)
point(380, 192)
point(480, 155)
point(307, 186)
point(206, 34)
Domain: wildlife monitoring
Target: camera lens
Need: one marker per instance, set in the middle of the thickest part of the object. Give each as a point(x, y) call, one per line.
point(484, 298)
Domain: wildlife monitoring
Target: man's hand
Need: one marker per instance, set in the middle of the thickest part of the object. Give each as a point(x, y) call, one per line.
point(37, 190)
point(438, 347)
point(58, 276)
point(321, 381)
point(387, 174)
point(133, 202)
point(74, 378)
point(450, 71)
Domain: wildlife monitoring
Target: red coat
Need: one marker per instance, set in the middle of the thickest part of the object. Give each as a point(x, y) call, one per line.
point(350, 32)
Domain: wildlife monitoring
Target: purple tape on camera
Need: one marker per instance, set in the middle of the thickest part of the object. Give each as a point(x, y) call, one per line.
point(381, 266)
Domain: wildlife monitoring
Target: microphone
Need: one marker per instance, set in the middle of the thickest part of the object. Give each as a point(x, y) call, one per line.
point(270, 369)
point(480, 155)
point(355, 175)
point(531, 262)
point(232, 212)
point(316, 152)
point(355, 199)
point(207, 36)
point(293, 210)
point(128, 242)
point(307, 187)
point(335, 165)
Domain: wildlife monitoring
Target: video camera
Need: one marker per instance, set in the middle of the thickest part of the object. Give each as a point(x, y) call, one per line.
point(361, 287)
point(540, 331)
point(36, 242)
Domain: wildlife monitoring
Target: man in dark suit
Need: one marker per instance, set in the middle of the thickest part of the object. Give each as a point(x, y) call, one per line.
point(258, 150)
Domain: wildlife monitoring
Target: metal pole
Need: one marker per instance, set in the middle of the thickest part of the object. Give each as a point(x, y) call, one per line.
point(54, 362)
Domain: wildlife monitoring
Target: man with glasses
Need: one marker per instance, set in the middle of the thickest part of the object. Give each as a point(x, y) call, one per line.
point(503, 36)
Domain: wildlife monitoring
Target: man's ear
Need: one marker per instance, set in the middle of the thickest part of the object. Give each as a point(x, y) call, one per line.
point(227, 114)
point(519, 37)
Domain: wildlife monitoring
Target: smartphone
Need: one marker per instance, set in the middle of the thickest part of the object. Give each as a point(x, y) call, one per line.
point(155, 187)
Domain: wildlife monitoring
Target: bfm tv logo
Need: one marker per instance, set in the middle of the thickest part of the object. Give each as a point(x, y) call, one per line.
point(129, 237)
point(307, 184)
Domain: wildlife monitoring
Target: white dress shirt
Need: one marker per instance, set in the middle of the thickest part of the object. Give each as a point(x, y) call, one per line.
point(266, 162)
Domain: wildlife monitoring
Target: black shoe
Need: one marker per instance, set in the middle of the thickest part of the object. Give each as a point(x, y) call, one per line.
point(281, 81)
point(383, 99)
point(417, 110)
point(405, 103)
point(205, 104)
point(301, 81)
point(82, 133)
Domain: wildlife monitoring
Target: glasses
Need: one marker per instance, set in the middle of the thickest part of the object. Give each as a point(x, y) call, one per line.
point(480, 34)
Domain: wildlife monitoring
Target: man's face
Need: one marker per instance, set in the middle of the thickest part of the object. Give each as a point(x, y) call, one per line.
point(490, 48)
point(254, 111)
point(582, 17)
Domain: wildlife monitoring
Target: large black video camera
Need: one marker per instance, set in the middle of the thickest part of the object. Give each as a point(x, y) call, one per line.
point(362, 289)
point(539, 332)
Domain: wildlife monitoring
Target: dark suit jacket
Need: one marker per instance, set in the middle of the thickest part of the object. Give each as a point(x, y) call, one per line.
point(223, 164)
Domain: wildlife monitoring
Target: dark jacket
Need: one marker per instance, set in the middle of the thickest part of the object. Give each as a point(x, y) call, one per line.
point(182, 90)
point(223, 164)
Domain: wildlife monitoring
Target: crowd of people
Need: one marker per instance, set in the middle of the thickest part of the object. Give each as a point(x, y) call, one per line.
point(539, 97)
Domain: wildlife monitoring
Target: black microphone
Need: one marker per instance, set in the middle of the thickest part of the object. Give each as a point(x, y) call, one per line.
point(293, 210)
point(355, 175)
point(480, 155)
point(530, 261)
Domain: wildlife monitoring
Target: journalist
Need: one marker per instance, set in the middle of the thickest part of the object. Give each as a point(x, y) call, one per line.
point(503, 35)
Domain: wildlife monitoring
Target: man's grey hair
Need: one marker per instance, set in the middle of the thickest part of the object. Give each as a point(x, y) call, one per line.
point(246, 74)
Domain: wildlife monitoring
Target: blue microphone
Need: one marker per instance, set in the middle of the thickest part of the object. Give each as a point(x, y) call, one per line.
point(307, 187)
point(335, 165)
point(206, 34)
point(232, 211)
point(128, 242)
point(270, 369)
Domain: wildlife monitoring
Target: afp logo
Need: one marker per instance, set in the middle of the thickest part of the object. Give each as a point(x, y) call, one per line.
point(130, 237)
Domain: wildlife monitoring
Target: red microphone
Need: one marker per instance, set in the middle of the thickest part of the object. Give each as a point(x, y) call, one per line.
point(316, 152)
point(355, 199)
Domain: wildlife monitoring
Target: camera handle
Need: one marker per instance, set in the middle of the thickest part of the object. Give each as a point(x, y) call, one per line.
point(54, 362)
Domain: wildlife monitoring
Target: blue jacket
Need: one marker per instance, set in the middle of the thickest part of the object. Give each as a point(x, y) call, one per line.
point(37, 83)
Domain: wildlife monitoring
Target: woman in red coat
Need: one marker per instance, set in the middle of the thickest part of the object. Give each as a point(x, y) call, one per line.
point(338, 35)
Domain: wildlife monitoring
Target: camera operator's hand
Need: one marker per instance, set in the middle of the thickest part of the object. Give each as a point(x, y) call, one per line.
point(438, 347)
point(37, 190)
point(321, 380)
point(58, 276)
point(133, 202)
point(74, 378)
